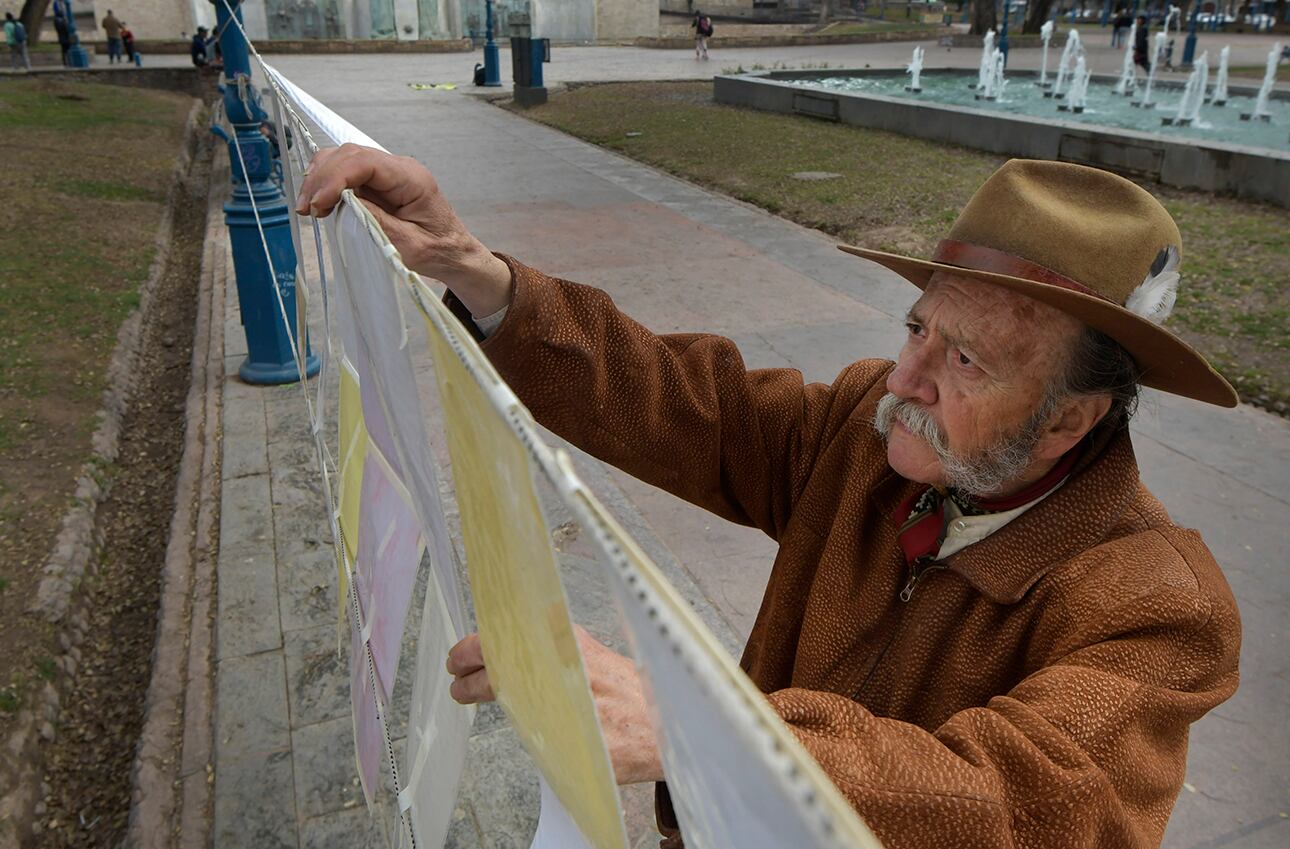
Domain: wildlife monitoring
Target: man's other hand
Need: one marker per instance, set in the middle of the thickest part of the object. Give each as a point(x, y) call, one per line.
point(406, 200)
point(615, 685)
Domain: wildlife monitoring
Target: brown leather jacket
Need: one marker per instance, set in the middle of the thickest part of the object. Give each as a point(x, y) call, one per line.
point(1036, 691)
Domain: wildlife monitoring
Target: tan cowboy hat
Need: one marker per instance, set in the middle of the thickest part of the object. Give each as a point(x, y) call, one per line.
point(1091, 244)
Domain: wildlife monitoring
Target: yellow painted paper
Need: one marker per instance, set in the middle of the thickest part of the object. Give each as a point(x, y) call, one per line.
point(533, 659)
point(353, 453)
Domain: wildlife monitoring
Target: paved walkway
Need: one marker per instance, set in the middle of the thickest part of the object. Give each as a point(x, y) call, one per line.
point(677, 258)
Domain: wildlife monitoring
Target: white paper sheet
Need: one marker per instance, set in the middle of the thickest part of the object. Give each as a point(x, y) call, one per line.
point(555, 828)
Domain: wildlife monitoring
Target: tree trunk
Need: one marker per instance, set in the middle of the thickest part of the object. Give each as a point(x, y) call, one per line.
point(32, 16)
point(983, 17)
point(824, 12)
point(1036, 15)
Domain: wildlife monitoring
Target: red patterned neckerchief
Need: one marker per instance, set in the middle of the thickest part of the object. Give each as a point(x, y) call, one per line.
point(922, 517)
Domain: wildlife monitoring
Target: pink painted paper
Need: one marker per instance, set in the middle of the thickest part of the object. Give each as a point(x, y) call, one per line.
point(389, 552)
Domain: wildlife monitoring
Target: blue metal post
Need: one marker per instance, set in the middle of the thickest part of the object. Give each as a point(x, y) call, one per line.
point(76, 55)
point(492, 58)
point(1106, 13)
point(1189, 46)
point(1003, 35)
point(270, 358)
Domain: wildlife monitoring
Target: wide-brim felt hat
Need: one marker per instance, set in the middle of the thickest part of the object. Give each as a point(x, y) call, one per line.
point(1087, 242)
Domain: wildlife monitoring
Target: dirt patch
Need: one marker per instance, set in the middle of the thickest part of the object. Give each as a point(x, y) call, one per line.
point(88, 765)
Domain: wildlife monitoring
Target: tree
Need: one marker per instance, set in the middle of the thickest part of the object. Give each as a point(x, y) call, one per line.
point(1036, 14)
point(32, 16)
point(983, 17)
point(824, 13)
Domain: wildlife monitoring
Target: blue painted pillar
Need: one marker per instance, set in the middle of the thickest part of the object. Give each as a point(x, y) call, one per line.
point(1003, 34)
point(76, 55)
point(1189, 46)
point(492, 58)
point(270, 358)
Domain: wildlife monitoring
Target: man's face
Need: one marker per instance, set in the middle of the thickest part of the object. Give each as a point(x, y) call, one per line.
point(976, 366)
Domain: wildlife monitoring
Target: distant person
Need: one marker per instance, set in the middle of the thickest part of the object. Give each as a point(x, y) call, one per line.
point(702, 26)
point(198, 48)
point(1141, 52)
point(112, 27)
point(1119, 23)
point(64, 36)
point(127, 42)
point(15, 35)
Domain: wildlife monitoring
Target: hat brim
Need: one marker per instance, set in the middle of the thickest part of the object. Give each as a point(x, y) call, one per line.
point(1168, 363)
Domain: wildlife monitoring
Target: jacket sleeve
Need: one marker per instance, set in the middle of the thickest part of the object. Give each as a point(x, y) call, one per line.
point(1089, 750)
point(680, 411)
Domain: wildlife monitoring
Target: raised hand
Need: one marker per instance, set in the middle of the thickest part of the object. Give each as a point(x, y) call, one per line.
point(405, 198)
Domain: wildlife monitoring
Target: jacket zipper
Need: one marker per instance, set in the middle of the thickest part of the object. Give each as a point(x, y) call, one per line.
point(917, 571)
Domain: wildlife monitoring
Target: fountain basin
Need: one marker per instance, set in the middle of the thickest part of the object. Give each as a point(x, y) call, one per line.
point(1242, 169)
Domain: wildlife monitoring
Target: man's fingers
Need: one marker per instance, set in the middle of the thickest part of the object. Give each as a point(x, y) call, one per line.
point(396, 183)
point(466, 657)
point(331, 171)
point(472, 689)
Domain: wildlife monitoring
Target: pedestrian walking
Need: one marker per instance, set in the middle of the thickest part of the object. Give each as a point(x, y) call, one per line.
point(15, 35)
point(64, 36)
point(127, 42)
point(112, 27)
point(702, 26)
point(1140, 48)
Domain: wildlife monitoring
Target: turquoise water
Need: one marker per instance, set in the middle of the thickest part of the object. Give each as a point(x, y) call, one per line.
point(1022, 96)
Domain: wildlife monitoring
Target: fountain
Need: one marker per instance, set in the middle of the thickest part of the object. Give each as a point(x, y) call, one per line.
point(1219, 97)
point(915, 71)
point(1045, 35)
point(1157, 51)
point(986, 69)
point(1213, 150)
point(1265, 91)
point(1128, 77)
point(1077, 95)
point(1072, 49)
point(994, 81)
point(1193, 94)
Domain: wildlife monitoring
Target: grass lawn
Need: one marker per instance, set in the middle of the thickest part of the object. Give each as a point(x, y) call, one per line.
point(901, 194)
point(86, 170)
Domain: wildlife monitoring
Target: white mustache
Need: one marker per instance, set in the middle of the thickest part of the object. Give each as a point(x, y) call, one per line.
point(916, 420)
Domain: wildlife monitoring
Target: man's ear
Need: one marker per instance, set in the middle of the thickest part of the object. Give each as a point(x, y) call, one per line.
point(1071, 423)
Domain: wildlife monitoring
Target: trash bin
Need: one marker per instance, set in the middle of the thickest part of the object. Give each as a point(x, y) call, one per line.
point(527, 56)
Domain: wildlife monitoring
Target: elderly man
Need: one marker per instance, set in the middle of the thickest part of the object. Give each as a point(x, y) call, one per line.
point(980, 622)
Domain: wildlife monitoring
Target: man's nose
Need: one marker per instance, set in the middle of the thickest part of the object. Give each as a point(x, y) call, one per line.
point(912, 379)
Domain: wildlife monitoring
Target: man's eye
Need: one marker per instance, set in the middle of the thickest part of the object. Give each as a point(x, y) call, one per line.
point(914, 328)
point(964, 359)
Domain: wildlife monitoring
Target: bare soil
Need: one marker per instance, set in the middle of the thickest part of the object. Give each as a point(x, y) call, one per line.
point(87, 171)
point(88, 765)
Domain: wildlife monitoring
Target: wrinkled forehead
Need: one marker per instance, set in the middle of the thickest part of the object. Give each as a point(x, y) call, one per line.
point(994, 322)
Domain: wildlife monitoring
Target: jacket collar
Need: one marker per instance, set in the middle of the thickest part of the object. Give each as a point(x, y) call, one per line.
point(1078, 516)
